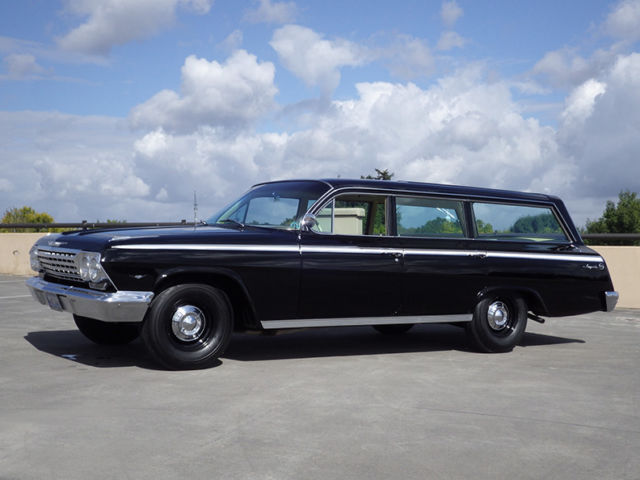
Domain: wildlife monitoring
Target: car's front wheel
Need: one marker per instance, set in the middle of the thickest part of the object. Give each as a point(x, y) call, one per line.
point(107, 333)
point(188, 326)
point(498, 323)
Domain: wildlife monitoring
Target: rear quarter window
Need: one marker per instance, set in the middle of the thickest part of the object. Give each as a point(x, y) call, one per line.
point(520, 223)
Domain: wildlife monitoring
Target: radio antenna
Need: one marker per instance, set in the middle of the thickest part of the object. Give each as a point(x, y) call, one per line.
point(195, 209)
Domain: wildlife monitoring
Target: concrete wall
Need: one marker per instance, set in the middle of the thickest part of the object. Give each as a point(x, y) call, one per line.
point(14, 252)
point(623, 263)
point(624, 266)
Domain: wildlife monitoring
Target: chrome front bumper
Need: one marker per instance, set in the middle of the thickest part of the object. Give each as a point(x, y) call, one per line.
point(611, 299)
point(121, 306)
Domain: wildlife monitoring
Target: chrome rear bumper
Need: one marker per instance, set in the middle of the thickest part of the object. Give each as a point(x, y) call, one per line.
point(611, 299)
point(121, 306)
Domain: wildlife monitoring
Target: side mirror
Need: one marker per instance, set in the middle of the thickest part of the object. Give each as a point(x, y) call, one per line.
point(308, 222)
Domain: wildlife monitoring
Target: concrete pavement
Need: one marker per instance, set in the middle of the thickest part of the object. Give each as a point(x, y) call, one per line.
point(344, 403)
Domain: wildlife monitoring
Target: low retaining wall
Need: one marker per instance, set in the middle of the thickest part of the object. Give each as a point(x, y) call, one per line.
point(624, 266)
point(623, 263)
point(14, 252)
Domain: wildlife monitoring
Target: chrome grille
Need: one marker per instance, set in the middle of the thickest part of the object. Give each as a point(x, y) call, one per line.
point(59, 263)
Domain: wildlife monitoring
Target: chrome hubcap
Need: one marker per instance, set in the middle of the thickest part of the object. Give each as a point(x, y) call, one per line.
point(498, 315)
point(188, 323)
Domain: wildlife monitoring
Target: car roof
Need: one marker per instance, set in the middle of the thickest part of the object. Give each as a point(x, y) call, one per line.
point(420, 187)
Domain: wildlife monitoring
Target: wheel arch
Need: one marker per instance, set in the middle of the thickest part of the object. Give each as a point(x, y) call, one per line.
point(244, 314)
point(533, 299)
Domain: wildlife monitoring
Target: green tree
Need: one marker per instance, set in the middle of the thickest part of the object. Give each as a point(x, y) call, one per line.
point(484, 227)
point(434, 227)
point(543, 223)
point(25, 215)
point(381, 175)
point(623, 217)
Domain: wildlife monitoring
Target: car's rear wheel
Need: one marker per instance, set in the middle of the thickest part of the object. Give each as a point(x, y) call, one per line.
point(188, 326)
point(498, 323)
point(394, 329)
point(107, 333)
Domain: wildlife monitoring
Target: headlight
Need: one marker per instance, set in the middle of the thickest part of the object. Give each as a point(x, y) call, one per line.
point(33, 259)
point(89, 267)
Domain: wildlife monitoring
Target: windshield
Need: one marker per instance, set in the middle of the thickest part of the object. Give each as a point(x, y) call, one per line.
point(274, 205)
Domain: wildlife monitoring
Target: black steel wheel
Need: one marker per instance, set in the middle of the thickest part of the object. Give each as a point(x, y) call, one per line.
point(498, 323)
point(393, 329)
point(107, 333)
point(188, 326)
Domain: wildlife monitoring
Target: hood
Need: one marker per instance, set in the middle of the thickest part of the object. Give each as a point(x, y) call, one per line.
point(100, 240)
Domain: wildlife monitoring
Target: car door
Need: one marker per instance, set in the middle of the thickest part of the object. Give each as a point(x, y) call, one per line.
point(351, 266)
point(444, 270)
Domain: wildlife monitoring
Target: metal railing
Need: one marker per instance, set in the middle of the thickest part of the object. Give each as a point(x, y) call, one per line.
point(84, 225)
point(611, 236)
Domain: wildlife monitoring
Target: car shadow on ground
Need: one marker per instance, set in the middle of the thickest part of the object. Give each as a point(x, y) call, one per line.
point(347, 341)
point(312, 343)
point(73, 346)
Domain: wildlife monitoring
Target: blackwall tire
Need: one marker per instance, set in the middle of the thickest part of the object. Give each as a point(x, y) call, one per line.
point(394, 329)
point(107, 333)
point(498, 324)
point(188, 326)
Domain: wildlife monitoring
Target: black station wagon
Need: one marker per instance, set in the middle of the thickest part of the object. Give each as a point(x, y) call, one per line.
point(318, 253)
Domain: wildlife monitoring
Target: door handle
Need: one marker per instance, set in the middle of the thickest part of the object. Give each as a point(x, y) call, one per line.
point(478, 254)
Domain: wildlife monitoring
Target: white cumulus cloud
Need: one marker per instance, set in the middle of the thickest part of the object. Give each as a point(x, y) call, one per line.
point(450, 12)
point(230, 95)
point(267, 11)
point(314, 59)
point(567, 68)
point(624, 20)
point(116, 22)
point(409, 58)
point(22, 65)
point(450, 40)
point(600, 128)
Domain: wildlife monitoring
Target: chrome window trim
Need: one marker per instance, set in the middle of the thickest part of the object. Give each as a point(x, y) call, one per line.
point(356, 321)
point(332, 201)
point(301, 249)
point(463, 221)
point(333, 193)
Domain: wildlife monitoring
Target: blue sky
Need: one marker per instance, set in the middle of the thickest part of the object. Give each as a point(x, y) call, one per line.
point(114, 109)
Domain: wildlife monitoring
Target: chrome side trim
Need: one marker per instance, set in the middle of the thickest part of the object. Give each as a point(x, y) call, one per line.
point(212, 247)
point(357, 250)
point(444, 253)
point(362, 250)
point(611, 300)
point(547, 256)
point(121, 306)
point(353, 321)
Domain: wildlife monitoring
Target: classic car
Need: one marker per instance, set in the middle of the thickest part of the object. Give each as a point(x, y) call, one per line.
point(318, 253)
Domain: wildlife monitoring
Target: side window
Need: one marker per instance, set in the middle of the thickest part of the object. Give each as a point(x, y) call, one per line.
point(519, 223)
point(272, 211)
point(429, 217)
point(354, 214)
